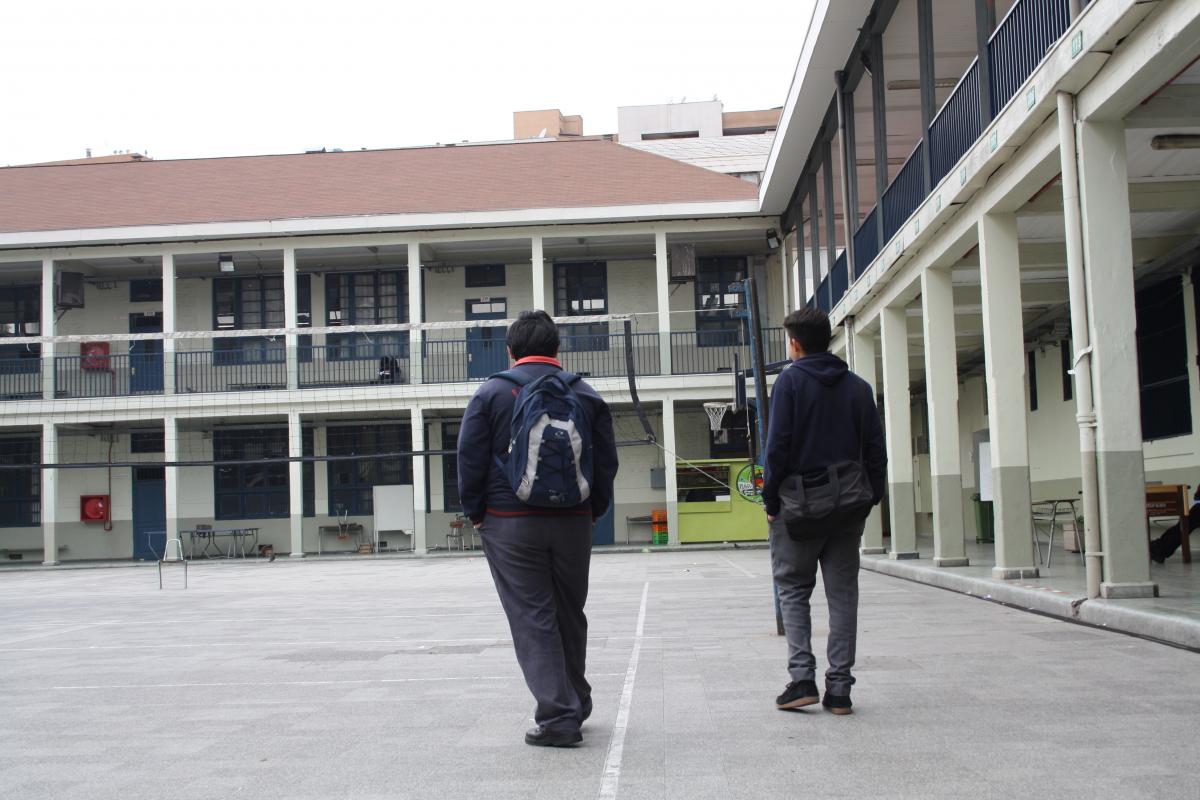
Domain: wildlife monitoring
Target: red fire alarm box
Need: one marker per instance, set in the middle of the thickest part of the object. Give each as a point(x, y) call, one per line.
point(93, 508)
point(93, 355)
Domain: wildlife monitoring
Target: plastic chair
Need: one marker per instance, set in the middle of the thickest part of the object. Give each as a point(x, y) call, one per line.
point(173, 554)
point(455, 535)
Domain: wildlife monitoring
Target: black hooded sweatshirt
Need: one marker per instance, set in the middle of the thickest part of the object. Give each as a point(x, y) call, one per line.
point(821, 413)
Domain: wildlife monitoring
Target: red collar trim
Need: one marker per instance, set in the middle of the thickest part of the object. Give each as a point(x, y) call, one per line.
point(538, 360)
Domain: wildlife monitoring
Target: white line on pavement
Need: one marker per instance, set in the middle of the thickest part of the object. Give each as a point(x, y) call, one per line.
point(261, 684)
point(47, 634)
point(738, 567)
point(616, 745)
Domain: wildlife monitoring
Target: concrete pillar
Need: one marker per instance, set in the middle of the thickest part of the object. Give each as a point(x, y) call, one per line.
point(941, 389)
point(171, 474)
point(785, 281)
point(897, 399)
point(49, 327)
point(419, 480)
point(416, 313)
point(1004, 355)
point(662, 276)
point(864, 367)
point(670, 478)
point(539, 276)
point(169, 323)
point(1108, 257)
point(296, 484)
point(48, 495)
point(291, 341)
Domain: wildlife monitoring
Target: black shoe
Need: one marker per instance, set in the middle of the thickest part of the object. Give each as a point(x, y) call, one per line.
point(586, 710)
point(1156, 558)
point(798, 694)
point(837, 703)
point(540, 737)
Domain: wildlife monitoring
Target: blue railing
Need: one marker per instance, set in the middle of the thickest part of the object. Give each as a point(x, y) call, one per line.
point(702, 352)
point(1020, 43)
point(822, 295)
point(957, 125)
point(117, 375)
point(20, 378)
point(449, 361)
point(866, 243)
point(839, 279)
point(229, 371)
point(328, 365)
point(905, 193)
point(603, 355)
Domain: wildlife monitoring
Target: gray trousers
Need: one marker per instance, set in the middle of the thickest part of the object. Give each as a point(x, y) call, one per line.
point(794, 564)
point(540, 567)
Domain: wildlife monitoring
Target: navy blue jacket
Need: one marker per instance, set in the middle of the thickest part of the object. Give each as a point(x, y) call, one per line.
point(821, 413)
point(484, 435)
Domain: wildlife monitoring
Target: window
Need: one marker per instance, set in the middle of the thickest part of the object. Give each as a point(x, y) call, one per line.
point(1162, 361)
point(485, 275)
point(147, 290)
point(451, 504)
point(146, 442)
point(1031, 360)
point(351, 480)
point(250, 303)
point(366, 298)
point(258, 490)
point(718, 302)
point(20, 315)
point(581, 290)
point(1065, 354)
point(20, 489)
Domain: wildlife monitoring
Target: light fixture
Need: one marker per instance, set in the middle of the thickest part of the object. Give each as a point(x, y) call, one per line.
point(225, 262)
point(772, 239)
point(1175, 141)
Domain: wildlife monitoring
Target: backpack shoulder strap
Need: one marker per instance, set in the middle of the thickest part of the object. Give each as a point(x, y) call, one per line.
point(570, 379)
point(511, 376)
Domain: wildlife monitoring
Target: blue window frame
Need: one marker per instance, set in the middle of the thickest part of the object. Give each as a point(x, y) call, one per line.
point(366, 298)
point(351, 480)
point(20, 315)
point(581, 290)
point(258, 489)
point(257, 302)
point(451, 503)
point(145, 290)
point(478, 275)
point(1163, 360)
point(717, 305)
point(20, 489)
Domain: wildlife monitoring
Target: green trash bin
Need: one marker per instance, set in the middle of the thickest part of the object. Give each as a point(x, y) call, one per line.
point(985, 521)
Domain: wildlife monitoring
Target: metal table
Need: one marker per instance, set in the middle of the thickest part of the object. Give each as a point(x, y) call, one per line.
point(237, 541)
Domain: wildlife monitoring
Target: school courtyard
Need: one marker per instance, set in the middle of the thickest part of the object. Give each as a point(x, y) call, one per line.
point(395, 678)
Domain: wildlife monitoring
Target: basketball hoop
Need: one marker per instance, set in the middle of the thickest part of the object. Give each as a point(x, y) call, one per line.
point(716, 413)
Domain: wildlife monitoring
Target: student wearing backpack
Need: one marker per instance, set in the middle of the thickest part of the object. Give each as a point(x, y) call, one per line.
point(536, 463)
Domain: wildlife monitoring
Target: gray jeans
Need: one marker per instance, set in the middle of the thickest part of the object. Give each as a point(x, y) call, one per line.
point(794, 564)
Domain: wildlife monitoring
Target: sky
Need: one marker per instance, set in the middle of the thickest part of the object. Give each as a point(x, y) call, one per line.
point(218, 78)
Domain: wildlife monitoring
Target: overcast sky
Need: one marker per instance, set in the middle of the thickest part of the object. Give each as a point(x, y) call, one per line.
point(216, 78)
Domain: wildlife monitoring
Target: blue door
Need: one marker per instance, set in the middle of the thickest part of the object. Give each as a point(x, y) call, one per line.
point(486, 353)
point(602, 531)
point(149, 513)
point(145, 358)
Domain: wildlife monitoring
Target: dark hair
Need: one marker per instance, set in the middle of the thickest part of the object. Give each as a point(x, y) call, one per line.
point(809, 327)
point(533, 334)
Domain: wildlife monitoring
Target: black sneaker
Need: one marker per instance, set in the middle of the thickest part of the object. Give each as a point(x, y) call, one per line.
point(798, 694)
point(541, 737)
point(1156, 557)
point(837, 703)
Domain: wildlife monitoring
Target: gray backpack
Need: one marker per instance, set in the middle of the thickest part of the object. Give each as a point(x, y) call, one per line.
point(822, 502)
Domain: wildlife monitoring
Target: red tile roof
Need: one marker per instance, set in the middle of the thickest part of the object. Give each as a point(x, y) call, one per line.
point(415, 180)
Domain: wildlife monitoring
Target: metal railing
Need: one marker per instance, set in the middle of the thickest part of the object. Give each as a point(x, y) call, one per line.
point(20, 378)
point(839, 280)
point(957, 125)
point(449, 361)
point(866, 243)
point(603, 356)
point(703, 352)
point(116, 375)
point(905, 193)
point(230, 370)
point(1020, 43)
point(333, 365)
point(821, 298)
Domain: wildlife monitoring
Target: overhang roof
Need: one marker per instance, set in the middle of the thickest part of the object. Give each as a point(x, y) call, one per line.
point(426, 180)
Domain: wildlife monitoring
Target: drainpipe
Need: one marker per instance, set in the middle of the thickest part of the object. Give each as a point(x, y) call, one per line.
point(1085, 411)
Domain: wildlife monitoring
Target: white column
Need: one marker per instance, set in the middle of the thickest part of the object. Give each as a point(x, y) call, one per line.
point(420, 478)
point(941, 389)
point(416, 312)
point(290, 317)
point(670, 478)
point(864, 367)
point(539, 276)
point(169, 323)
point(1004, 356)
point(662, 276)
point(49, 327)
point(1108, 257)
point(171, 474)
point(48, 495)
point(897, 400)
point(785, 281)
point(296, 484)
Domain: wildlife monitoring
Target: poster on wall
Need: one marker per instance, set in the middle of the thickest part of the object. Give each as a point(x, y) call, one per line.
point(985, 471)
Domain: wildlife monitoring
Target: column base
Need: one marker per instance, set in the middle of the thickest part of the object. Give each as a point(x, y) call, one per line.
point(908, 555)
point(952, 562)
point(56, 563)
point(872, 551)
point(1126, 591)
point(1014, 573)
point(297, 555)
